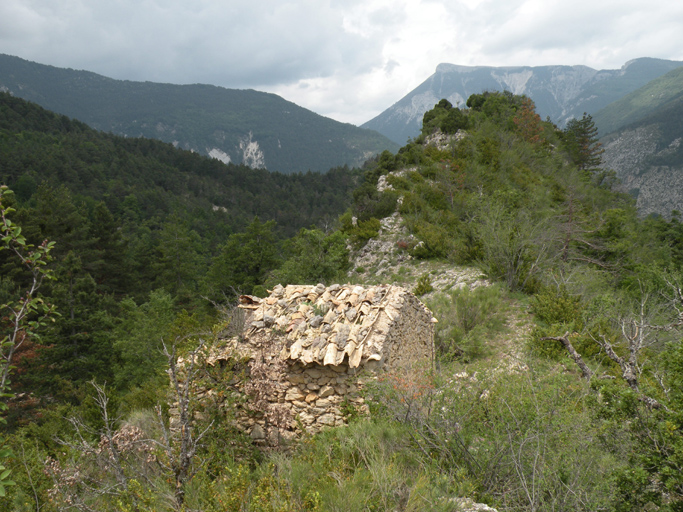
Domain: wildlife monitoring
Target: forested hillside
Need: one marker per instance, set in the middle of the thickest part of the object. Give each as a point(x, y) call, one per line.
point(645, 101)
point(138, 224)
point(155, 179)
point(241, 126)
point(557, 387)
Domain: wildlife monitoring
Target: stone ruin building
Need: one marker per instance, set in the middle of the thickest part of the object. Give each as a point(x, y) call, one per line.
point(310, 347)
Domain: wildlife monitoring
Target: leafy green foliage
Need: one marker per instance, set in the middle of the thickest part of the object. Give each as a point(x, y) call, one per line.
point(4, 475)
point(362, 231)
point(524, 441)
point(557, 307)
point(373, 204)
point(556, 312)
point(445, 118)
point(244, 261)
point(22, 316)
point(367, 465)
point(138, 339)
point(313, 257)
point(498, 106)
point(649, 441)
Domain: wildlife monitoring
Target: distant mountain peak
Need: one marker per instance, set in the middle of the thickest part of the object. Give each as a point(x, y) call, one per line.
point(560, 92)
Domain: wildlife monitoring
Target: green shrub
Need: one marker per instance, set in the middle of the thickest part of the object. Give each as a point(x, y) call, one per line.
point(455, 120)
point(556, 311)
point(435, 241)
point(361, 232)
point(312, 257)
point(468, 320)
point(398, 182)
point(524, 441)
point(553, 306)
point(260, 291)
point(385, 163)
point(368, 202)
point(424, 285)
point(368, 465)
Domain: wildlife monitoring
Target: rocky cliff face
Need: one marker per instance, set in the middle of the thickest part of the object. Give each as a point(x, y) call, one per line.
point(560, 92)
point(631, 154)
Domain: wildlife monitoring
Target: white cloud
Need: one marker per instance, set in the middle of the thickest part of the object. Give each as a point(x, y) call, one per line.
point(347, 59)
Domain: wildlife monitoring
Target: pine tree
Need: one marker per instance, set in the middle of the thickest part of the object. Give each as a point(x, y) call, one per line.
point(245, 260)
point(581, 142)
point(180, 257)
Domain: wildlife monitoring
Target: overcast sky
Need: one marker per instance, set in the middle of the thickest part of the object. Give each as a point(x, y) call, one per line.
point(345, 59)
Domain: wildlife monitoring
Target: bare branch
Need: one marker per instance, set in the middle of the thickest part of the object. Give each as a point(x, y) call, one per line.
point(181, 458)
point(564, 339)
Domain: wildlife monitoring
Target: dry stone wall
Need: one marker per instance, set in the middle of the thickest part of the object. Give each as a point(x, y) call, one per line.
point(310, 349)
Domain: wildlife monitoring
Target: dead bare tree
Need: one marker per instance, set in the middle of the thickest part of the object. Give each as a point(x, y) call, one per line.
point(181, 441)
point(564, 339)
point(126, 456)
point(101, 470)
point(638, 330)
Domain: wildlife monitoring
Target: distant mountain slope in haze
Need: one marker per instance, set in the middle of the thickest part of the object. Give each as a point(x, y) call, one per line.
point(560, 92)
point(640, 103)
point(240, 126)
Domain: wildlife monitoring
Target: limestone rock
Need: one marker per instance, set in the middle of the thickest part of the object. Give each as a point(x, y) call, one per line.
point(327, 419)
point(467, 505)
point(257, 433)
point(326, 391)
point(294, 394)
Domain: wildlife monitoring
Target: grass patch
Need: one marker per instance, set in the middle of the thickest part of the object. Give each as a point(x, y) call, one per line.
point(468, 320)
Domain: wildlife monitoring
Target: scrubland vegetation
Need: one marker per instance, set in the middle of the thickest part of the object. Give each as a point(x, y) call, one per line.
point(585, 413)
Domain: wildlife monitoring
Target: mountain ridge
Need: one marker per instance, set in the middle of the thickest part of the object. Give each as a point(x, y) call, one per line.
point(559, 92)
point(241, 126)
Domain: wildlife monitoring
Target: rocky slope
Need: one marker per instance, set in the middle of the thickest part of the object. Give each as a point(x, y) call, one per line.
point(631, 154)
point(647, 155)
